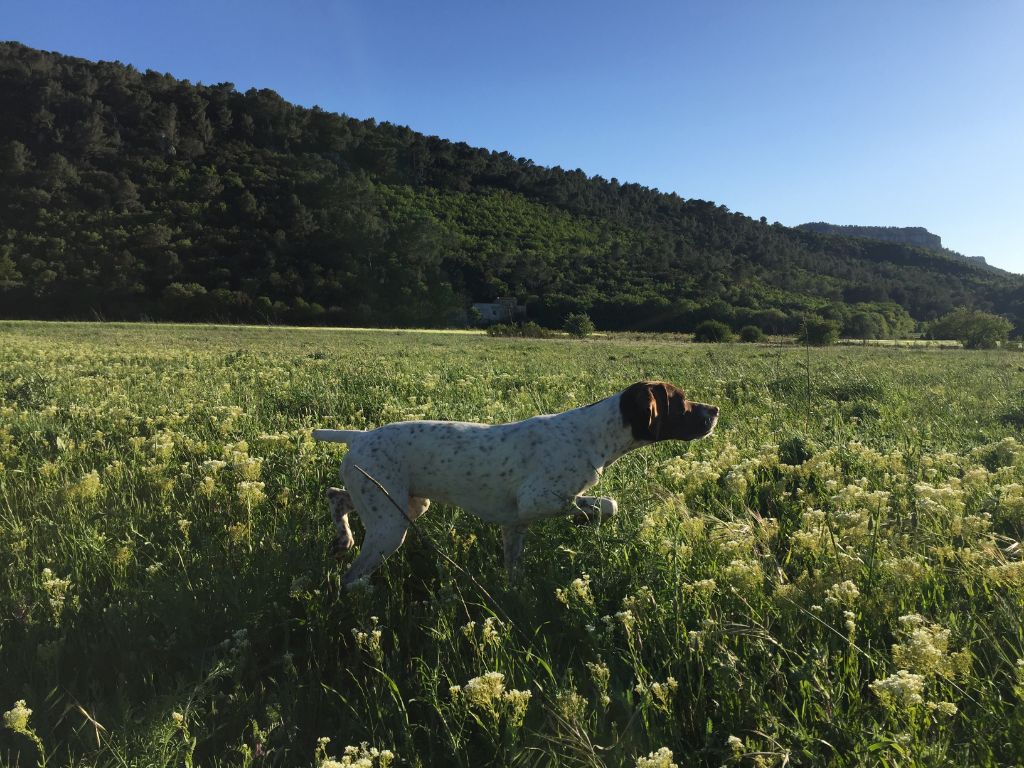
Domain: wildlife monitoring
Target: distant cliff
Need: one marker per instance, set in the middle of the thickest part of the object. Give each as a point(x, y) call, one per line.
point(918, 236)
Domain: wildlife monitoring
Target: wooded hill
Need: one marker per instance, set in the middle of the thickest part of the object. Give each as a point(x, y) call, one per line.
point(128, 195)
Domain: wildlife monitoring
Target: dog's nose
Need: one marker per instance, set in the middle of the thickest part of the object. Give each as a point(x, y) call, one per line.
point(710, 415)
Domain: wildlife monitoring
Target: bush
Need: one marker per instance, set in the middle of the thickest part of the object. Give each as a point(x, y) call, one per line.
point(184, 301)
point(866, 325)
point(818, 332)
point(795, 449)
point(579, 324)
point(529, 330)
point(975, 330)
point(712, 331)
point(751, 334)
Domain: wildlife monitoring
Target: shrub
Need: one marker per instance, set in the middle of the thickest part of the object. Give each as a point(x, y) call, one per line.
point(772, 320)
point(974, 329)
point(528, 330)
point(185, 301)
point(751, 334)
point(818, 332)
point(795, 449)
point(579, 324)
point(866, 325)
point(712, 331)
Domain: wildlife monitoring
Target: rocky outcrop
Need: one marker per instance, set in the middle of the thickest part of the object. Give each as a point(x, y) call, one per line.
point(918, 236)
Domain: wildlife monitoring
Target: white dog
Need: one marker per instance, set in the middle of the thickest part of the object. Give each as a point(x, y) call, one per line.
point(509, 474)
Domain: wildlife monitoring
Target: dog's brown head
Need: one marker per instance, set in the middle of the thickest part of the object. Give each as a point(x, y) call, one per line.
point(657, 410)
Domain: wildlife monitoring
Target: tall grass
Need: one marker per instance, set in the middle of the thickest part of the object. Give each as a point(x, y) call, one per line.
point(835, 577)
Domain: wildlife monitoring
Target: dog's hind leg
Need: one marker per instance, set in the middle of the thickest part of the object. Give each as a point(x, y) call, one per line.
point(339, 501)
point(417, 506)
point(385, 525)
point(375, 549)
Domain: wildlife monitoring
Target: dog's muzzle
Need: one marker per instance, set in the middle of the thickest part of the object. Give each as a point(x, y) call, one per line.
point(707, 418)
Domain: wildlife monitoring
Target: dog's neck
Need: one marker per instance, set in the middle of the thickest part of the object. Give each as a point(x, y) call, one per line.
point(605, 432)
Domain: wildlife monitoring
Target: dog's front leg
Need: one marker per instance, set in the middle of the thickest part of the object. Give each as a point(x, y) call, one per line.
point(590, 509)
point(512, 537)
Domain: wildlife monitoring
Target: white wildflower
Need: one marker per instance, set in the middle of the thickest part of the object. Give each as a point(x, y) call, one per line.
point(250, 493)
point(485, 690)
point(16, 718)
point(660, 759)
point(577, 593)
point(844, 593)
point(904, 688)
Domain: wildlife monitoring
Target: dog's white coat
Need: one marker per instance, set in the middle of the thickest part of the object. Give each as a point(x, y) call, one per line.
point(509, 474)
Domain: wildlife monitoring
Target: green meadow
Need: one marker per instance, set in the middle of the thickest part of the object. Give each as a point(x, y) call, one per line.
point(835, 577)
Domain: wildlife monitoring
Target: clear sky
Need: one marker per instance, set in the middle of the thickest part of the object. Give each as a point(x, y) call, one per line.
point(875, 112)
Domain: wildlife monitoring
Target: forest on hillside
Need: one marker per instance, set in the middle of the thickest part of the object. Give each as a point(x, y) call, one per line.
point(131, 195)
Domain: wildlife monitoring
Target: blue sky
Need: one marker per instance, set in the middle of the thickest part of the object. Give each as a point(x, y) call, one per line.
point(907, 113)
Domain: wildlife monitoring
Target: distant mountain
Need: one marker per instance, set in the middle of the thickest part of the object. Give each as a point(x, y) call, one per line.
point(127, 194)
point(916, 236)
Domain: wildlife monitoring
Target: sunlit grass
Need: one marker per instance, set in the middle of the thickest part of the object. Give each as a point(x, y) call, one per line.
point(835, 577)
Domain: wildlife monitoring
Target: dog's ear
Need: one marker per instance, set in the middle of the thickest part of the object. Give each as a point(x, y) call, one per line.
point(643, 406)
point(660, 394)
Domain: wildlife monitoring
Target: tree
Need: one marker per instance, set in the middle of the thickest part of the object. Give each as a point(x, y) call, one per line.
point(987, 331)
point(751, 334)
point(952, 325)
point(972, 328)
point(771, 320)
point(14, 157)
point(9, 274)
point(185, 301)
point(818, 332)
point(866, 325)
point(712, 331)
point(579, 325)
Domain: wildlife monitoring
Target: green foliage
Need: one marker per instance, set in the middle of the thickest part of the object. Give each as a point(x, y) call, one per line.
point(823, 589)
point(579, 325)
point(712, 331)
point(866, 325)
point(117, 185)
point(795, 449)
point(818, 332)
point(751, 334)
point(974, 329)
point(527, 330)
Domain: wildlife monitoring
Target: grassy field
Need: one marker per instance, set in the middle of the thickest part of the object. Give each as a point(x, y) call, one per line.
point(833, 578)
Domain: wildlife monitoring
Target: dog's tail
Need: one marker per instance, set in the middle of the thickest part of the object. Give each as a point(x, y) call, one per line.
point(337, 435)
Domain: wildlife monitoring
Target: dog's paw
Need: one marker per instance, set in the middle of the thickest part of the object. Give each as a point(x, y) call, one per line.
point(594, 510)
point(340, 545)
point(360, 585)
